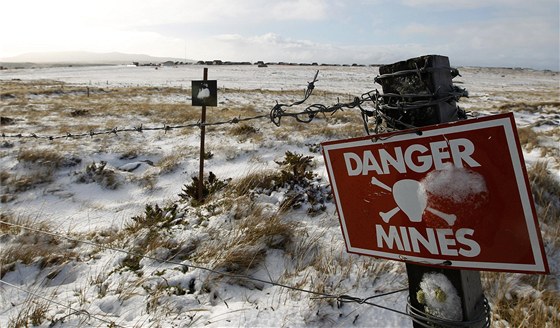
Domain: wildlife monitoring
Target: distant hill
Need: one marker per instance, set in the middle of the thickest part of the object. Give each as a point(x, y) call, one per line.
point(83, 57)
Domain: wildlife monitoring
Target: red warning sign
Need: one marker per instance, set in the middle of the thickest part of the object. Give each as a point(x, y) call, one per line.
point(454, 194)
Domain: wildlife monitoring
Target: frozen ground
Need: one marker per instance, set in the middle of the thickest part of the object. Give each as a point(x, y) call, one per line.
point(71, 283)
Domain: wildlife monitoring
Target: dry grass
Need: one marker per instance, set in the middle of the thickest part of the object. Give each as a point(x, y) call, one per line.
point(530, 300)
point(546, 189)
point(522, 300)
point(39, 166)
point(239, 246)
point(256, 180)
point(532, 107)
point(22, 182)
point(42, 157)
point(28, 247)
point(246, 244)
point(528, 138)
point(33, 313)
point(170, 163)
point(245, 131)
point(30, 102)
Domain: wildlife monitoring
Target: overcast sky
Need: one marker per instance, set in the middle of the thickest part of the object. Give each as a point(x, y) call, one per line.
point(513, 33)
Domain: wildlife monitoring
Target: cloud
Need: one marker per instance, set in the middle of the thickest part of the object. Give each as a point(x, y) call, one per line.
point(527, 41)
point(271, 47)
point(486, 32)
point(471, 4)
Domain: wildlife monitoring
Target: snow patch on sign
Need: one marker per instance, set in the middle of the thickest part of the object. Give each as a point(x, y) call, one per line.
point(440, 297)
point(457, 184)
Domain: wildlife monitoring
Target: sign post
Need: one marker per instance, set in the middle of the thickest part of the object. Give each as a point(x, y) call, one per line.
point(449, 199)
point(204, 93)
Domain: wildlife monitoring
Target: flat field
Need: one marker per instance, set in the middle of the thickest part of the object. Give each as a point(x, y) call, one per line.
point(101, 226)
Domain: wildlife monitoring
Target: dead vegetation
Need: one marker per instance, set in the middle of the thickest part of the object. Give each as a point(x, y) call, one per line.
point(29, 247)
point(247, 231)
point(248, 241)
point(531, 107)
point(522, 300)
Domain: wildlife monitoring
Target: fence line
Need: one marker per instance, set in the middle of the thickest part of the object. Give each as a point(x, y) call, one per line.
point(341, 298)
point(382, 104)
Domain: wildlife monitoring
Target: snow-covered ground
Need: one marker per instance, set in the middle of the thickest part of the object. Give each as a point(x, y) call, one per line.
point(91, 193)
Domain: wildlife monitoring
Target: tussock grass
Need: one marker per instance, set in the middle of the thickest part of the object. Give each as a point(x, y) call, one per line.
point(170, 163)
point(33, 313)
point(532, 107)
point(528, 137)
point(38, 167)
point(30, 248)
point(545, 188)
point(258, 179)
point(24, 182)
point(247, 242)
point(522, 300)
point(244, 131)
point(43, 157)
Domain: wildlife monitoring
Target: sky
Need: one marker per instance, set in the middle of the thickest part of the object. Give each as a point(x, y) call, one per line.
point(504, 33)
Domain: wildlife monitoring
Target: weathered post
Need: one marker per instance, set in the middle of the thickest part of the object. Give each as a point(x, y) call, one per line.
point(204, 93)
point(202, 140)
point(423, 80)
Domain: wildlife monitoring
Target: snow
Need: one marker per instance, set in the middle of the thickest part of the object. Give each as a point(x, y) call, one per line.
point(165, 293)
point(440, 297)
point(458, 184)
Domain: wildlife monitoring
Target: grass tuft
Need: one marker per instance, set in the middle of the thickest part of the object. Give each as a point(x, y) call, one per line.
point(545, 188)
point(30, 248)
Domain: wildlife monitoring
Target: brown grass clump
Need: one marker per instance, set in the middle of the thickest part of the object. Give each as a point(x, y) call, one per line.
point(245, 245)
point(169, 163)
point(30, 247)
point(528, 137)
point(40, 166)
point(33, 313)
point(43, 157)
point(257, 180)
point(244, 131)
point(545, 192)
point(522, 300)
point(530, 300)
point(532, 107)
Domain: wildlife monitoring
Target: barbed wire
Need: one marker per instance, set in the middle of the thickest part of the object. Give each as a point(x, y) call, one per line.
point(382, 105)
point(140, 128)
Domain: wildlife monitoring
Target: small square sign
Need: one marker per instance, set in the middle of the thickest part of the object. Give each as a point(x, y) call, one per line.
point(453, 194)
point(205, 93)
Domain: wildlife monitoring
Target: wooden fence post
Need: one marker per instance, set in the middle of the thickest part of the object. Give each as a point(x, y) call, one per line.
point(425, 76)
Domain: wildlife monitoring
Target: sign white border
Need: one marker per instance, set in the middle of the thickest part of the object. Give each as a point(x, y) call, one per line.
point(505, 121)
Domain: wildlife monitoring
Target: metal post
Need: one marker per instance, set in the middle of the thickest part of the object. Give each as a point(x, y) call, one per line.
point(202, 151)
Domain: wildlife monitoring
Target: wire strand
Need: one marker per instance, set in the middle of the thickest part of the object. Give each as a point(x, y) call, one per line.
point(342, 298)
point(382, 103)
point(75, 311)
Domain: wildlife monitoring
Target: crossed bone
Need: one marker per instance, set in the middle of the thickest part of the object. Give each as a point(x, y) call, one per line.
point(386, 216)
